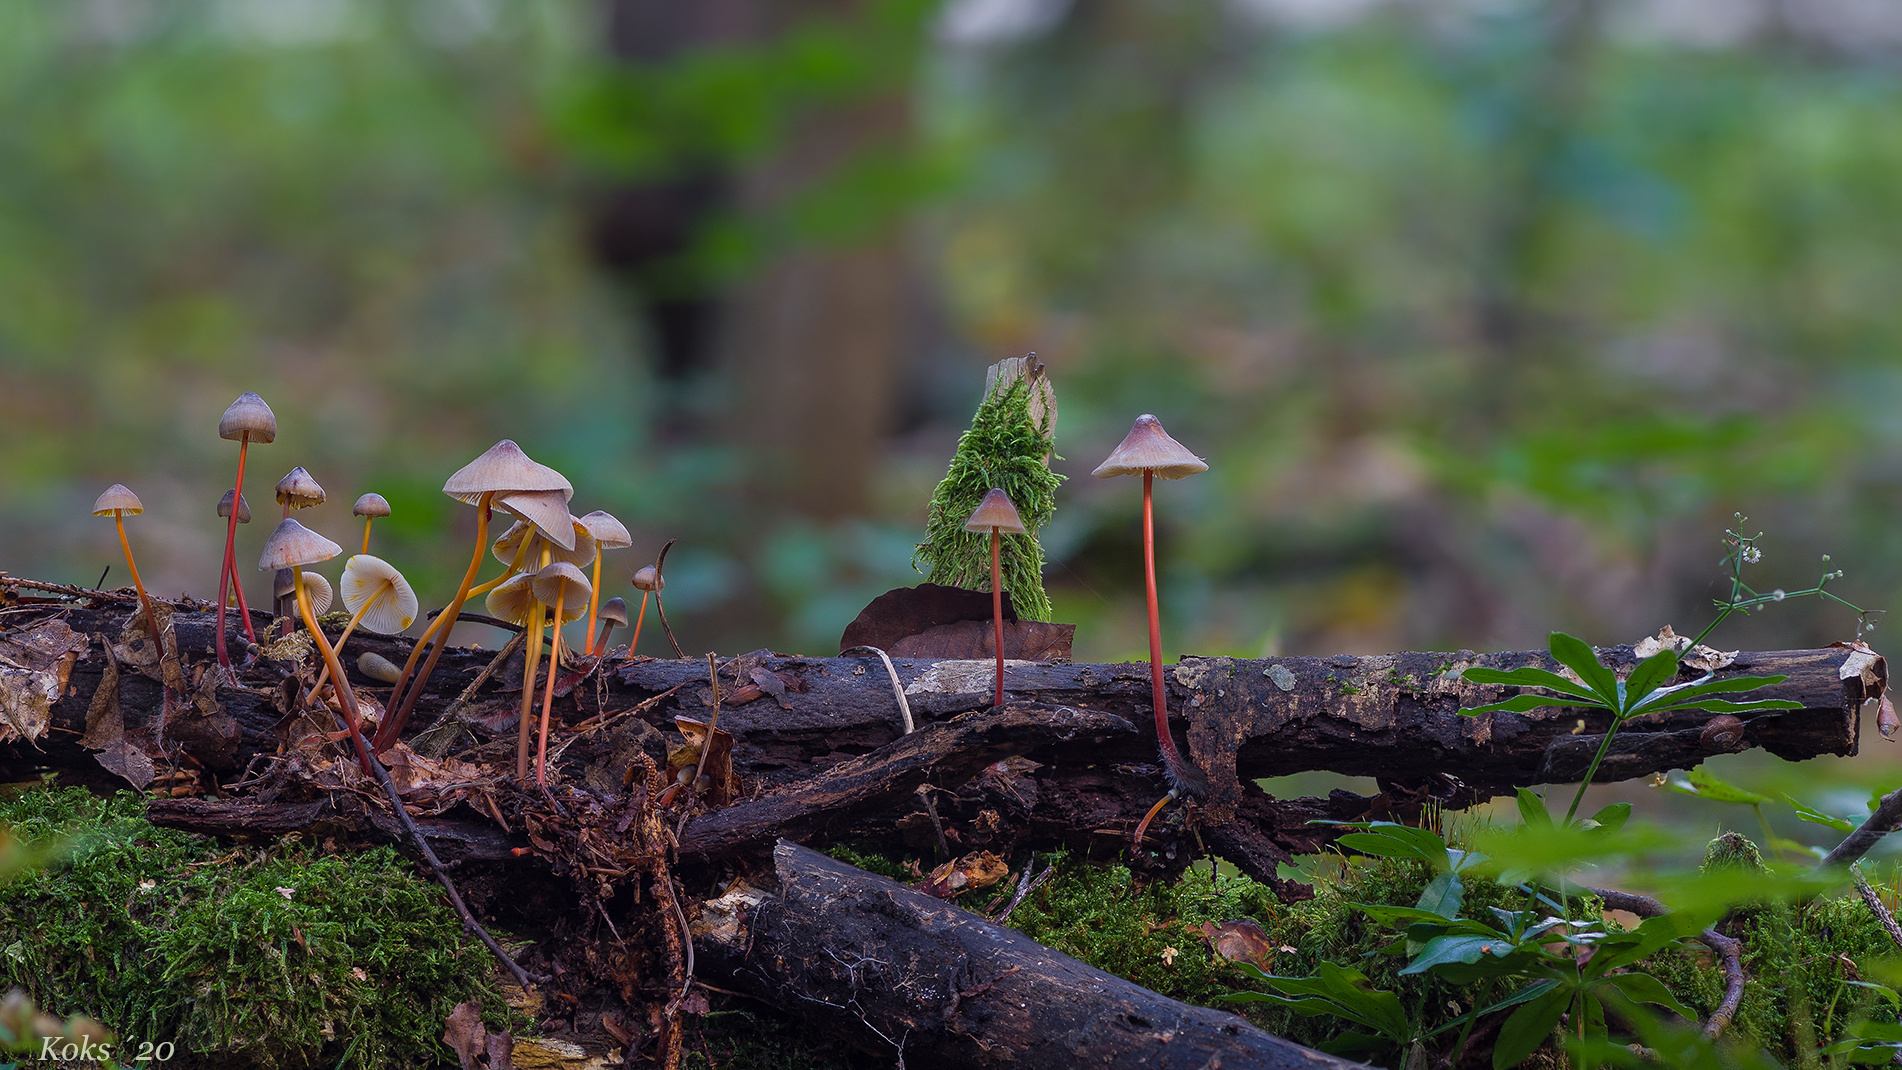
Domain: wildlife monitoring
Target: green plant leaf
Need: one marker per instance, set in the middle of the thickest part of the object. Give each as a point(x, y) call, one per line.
point(1528, 703)
point(1390, 840)
point(1678, 694)
point(1333, 990)
point(1611, 818)
point(1644, 988)
point(1704, 785)
point(1575, 654)
point(1718, 705)
point(1530, 676)
point(1529, 1026)
point(1460, 947)
point(1443, 895)
point(1650, 673)
point(1817, 817)
point(1532, 809)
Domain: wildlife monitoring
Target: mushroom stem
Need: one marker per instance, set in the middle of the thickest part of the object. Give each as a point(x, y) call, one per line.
point(594, 607)
point(151, 618)
point(244, 611)
point(229, 575)
point(1143, 825)
point(1182, 775)
point(347, 696)
point(345, 637)
point(367, 521)
point(387, 734)
point(548, 693)
point(638, 618)
point(601, 642)
point(997, 611)
point(531, 658)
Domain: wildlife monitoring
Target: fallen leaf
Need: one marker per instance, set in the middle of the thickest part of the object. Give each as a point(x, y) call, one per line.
point(464, 1034)
point(1886, 722)
point(123, 759)
point(980, 869)
point(908, 611)
point(1241, 940)
point(1024, 640)
point(34, 668)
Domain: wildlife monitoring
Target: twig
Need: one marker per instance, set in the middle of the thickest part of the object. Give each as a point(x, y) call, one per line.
point(478, 618)
point(904, 716)
point(1025, 886)
point(659, 607)
point(68, 589)
point(522, 976)
point(514, 644)
point(1728, 948)
point(1887, 817)
point(1874, 902)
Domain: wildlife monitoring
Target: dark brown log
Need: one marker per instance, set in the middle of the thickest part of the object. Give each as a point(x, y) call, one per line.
point(902, 973)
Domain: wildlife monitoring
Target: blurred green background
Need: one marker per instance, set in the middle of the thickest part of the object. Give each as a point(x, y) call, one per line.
point(1488, 314)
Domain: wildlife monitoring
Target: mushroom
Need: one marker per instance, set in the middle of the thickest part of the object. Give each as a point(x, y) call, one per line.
point(608, 534)
point(293, 546)
point(246, 419)
point(647, 580)
point(377, 596)
point(369, 507)
point(236, 585)
point(997, 515)
point(297, 490)
point(613, 614)
point(503, 470)
point(564, 587)
point(118, 502)
point(513, 600)
point(281, 591)
point(1148, 451)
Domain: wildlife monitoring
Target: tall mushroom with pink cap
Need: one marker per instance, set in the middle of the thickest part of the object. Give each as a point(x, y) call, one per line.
point(247, 420)
point(1148, 451)
point(503, 476)
point(997, 515)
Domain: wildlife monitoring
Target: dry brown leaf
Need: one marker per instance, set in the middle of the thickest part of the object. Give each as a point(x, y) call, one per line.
point(980, 869)
point(1241, 940)
point(34, 668)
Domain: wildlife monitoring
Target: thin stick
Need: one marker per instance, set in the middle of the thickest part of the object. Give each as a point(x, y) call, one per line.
point(665, 627)
point(1887, 816)
point(1025, 886)
point(898, 689)
point(1728, 948)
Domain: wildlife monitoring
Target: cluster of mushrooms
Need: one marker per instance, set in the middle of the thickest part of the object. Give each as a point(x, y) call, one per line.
point(544, 552)
point(542, 586)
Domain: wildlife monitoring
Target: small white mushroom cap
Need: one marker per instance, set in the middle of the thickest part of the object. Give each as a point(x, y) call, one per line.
point(370, 580)
point(371, 505)
point(563, 582)
point(248, 414)
point(648, 578)
point(607, 532)
point(503, 467)
point(298, 490)
point(320, 593)
point(996, 513)
point(1148, 447)
point(582, 555)
point(547, 510)
point(117, 499)
point(292, 545)
point(514, 599)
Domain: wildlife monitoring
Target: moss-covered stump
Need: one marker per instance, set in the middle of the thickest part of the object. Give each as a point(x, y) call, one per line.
point(287, 957)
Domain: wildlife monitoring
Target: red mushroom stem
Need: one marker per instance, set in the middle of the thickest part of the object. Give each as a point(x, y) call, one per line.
point(393, 727)
point(229, 575)
point(1182, 776)
point(997, 612)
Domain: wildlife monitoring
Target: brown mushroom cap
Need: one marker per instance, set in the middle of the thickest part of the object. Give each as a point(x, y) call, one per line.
point(648, 578)
point(298, 490)
point(996, 512)
point(566, 583)
point(249, 413)
point(371, 505)
point(615, 609)
point(370, 580)
point(547, 510)
point(117, 499)
point(513, 600)
point(1148, 448)
point(244, 507)
point(504, 467)
point(607, 532)
point(292, 545)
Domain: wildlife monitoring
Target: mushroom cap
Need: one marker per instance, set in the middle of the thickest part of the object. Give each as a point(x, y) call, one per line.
point(561, 581)
point(615, 609)
point(547, 510)
point(1148, 447)
point(514, 599)
point(292, 545)
point(298, 490)
point(117, 499)
point(249, 413)
point(281, 583)
point(244, 507)
point(370, 580)
point(648, 578)
point(320, 593)
point(996, 513)
point(371, 505)
point(607, 532)
point(504, 467)
point(510, 541)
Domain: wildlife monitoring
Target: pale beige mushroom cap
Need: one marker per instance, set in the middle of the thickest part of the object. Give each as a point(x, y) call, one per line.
point(566, 583)
point(248, 414)
point(292, 545)
point(244, 507)
point(547, 510)
point(615, 609)
point(298, 490)
point(503, 468)
point(607, 532)
point(320, 592)
point(371, 505)
point(513, 600)
point(648, 578)
point(1148, 447)
point(996, 513)
point(582, 554)
point(117, 499)
point(370, 580)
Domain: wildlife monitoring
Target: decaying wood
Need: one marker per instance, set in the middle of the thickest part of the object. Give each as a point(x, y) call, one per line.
point(901, 973)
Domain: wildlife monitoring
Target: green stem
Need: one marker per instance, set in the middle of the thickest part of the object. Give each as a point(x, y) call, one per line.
point(1592, 770)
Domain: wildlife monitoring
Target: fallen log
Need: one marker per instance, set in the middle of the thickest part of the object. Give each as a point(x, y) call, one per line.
point(901, 973)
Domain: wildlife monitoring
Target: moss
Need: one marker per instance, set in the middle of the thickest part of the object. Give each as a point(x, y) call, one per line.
point(239, 957)
point(1003, 448)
